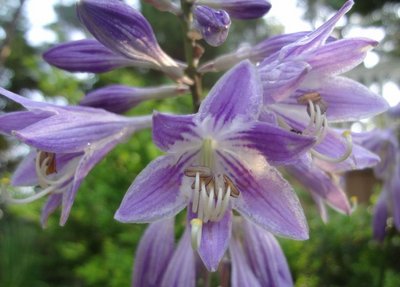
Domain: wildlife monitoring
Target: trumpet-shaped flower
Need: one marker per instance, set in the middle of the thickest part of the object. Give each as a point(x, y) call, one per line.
point(68, 141)
point(119, 98)
point(386, 145)
point(125, 38)
point(219, 159)
point(255, 258)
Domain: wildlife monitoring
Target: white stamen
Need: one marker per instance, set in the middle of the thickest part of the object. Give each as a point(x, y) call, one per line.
point(196, 194)
point(349, 148)
point(31, 198)
point(203, 201)
point(225, 203)
point(209, 209)
point(196, 231)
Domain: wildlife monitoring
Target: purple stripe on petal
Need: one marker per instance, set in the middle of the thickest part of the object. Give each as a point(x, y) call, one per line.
point(318, 37)
point(155, 193)
point(339, 57)
point(265, 256)
point(242, 275)
point(153, 254)
point(181, 270)
point(273, 44)
point(87, 162)
point(124, 30)
point(84, 56)
point(277, 145)
point(52, 203)
point(265, 197)
point(169, 130)
point(237, 94)
point(119, 98)
point(71, 131)
point(19, 120)
point(215, 239)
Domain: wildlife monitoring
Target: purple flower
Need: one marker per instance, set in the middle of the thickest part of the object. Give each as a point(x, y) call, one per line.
point(308, 70)
point(255, 53)
point(86, 56)
point(119, 98)
point(154, 253)
point(213, 25)
point(68, 141)
point(255, 258)
point(217, 160)
point(127, 37)
point(386, 145)
point(239, 9)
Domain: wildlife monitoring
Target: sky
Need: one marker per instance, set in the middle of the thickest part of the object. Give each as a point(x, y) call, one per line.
point(288, 12)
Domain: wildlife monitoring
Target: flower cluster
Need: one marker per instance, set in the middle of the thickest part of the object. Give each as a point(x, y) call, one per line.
point(274, 108)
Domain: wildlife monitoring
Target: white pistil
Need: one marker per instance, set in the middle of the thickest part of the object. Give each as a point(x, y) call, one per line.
point(196, 231)
point(349, 148)
point(224, 204)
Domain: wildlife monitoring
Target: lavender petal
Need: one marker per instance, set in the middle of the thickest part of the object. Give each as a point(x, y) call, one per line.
point(85, 56)
point(153, 253)
point(155, 193)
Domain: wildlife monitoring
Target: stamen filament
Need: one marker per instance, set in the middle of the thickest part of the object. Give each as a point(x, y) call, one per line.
point(196, 194)
point(349, 148)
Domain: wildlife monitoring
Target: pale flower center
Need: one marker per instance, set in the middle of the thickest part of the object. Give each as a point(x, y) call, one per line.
point(211, 191)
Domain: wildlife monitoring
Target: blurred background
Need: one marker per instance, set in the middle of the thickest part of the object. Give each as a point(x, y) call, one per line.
point(93, 249)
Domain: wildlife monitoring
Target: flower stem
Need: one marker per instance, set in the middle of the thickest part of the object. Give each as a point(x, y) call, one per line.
point(190, 55)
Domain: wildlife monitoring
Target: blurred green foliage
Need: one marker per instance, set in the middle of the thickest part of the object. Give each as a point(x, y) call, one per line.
point(95, 250)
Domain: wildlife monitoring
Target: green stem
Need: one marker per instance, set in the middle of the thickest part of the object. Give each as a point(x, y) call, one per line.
point(190, 55)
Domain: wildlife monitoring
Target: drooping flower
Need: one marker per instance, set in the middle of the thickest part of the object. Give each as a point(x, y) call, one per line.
point(68, 142)
point(154, 253)
point(86, 56)
point(219, 159)
point(386, 145)
point(303, 92)
point(254, 257)
point(126, 35)
point(119, 98)
point(213, 25)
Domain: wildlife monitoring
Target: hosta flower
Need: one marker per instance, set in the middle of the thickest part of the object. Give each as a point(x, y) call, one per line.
point(126, 35)
point(119, 98)
point(255, 258)
point(304, 93)
point(86, 56)
point(219, 159)
point(154, 253)
point(255, 53)
point(386, 145)
point(68, 141)
point(239, 9)
point(213, 25)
